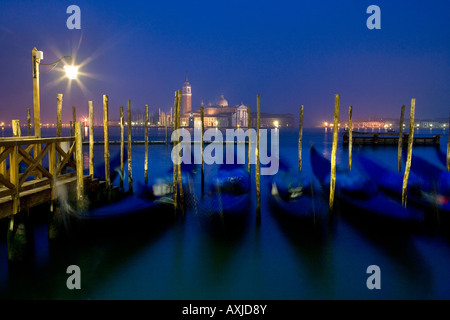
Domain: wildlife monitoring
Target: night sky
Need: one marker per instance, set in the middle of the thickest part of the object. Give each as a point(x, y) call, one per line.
point(290, 52)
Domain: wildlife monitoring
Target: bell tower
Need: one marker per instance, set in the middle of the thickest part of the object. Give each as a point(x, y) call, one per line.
point(186, 97)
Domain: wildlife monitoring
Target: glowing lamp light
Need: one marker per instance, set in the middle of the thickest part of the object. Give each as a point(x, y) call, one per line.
point(71, 71)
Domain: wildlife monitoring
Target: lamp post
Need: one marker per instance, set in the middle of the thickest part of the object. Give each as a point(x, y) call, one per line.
point(71, 73)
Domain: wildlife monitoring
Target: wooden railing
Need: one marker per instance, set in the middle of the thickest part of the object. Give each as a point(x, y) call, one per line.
point(17, 150)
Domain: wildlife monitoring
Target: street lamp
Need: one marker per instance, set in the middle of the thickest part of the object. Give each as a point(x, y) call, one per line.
point(71, 73)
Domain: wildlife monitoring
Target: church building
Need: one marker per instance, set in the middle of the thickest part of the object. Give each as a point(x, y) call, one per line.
point(221, 115)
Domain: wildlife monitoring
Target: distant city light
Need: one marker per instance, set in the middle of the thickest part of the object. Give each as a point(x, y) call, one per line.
point(275, 123)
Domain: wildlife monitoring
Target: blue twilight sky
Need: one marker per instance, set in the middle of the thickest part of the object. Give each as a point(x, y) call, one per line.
point(290, 52)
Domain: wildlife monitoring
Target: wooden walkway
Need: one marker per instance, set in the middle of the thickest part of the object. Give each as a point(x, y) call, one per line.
point(36, 183)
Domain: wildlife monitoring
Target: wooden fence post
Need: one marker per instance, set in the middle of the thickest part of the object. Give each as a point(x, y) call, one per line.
point(16, 234)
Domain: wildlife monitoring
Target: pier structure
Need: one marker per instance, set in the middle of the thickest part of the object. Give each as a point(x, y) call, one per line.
point(390, 138)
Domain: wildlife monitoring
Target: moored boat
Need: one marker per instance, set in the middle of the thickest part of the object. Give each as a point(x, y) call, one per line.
point(360, 196)
point(225, 207)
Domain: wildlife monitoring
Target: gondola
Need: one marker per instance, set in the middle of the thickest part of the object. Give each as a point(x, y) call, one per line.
point(114, 165)
point(295, 197)
point(442, 156)
point(437, 187)
point(360, 196)
point(225, 206)
point(142, 210)
point(391, 181)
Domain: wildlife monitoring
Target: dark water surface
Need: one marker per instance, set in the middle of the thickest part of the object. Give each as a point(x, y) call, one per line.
point(269, 261)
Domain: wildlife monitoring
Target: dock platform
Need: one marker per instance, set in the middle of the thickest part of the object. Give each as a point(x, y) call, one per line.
point(388, 138)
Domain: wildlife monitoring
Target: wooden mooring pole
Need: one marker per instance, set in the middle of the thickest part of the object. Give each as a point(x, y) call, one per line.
point(165, 123)
point(59, 100)
point(130, 166)
point(175, 156)
point(409, 156)
point(146, 144)
point(15, 167)
point(55, 218)
point(91, 139)
point(400, 138)
point(249, 154)
point(350, 137)
point(106, 139)
point(333, 151)
point(122, 147)
point(201, 146)
point(300, 138)
point(74, 118)
point(257, 164)
point(28, 122)
point(79, 165)
point(180, 183)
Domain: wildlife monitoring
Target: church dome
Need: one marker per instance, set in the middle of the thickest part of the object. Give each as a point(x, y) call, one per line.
point(222, 102)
